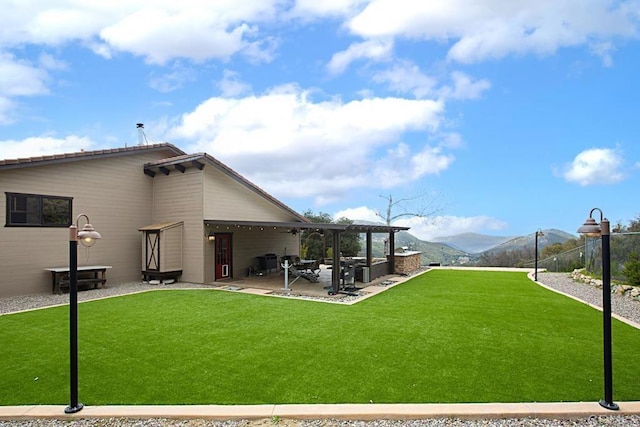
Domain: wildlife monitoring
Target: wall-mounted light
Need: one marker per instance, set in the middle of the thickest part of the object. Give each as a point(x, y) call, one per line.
point(212, 236)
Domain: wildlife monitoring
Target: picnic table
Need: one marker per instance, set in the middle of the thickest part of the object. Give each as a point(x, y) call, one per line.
point(87, 275)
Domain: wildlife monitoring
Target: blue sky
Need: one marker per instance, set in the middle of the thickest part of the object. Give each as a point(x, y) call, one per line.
point(505, 117)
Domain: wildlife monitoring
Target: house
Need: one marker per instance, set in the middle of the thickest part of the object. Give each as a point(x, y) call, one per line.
point(161, 213)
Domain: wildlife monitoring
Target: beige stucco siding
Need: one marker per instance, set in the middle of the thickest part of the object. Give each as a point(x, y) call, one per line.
point(172, 249)
point(112, 191)
point(227, 199)
point(179, 197)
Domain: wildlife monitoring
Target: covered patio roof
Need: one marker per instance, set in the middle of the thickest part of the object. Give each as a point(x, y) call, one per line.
point(356, 228)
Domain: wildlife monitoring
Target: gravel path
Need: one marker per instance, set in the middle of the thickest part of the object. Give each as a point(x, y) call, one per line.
point(624, 306)
point(29, 302)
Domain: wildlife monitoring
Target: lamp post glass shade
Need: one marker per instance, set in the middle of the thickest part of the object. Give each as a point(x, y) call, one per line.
point(88, 235)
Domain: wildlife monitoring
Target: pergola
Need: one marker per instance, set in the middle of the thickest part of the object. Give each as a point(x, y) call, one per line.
point(337, 230)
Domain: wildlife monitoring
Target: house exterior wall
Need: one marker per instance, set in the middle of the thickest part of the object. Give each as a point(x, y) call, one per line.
point(179, 197)
point(228, 200)
point(115, 194)
point(172, 249)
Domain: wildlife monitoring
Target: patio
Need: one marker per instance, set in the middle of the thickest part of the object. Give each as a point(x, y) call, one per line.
point(272, 284)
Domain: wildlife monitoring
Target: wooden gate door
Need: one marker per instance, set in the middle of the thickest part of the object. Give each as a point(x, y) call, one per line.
point(152, 252)
point(222, 255)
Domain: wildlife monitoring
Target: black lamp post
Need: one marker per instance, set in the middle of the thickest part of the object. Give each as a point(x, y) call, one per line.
point(539, 233)
point(592, 229)
point(87, 237)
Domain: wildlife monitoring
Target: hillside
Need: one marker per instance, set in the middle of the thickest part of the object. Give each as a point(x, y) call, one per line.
point(472, 243)
point(551, 236)
point(465, 247)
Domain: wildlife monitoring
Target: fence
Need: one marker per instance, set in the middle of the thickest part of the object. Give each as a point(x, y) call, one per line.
point(589, 256)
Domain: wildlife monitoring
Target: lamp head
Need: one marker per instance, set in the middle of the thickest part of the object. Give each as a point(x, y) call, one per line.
point(590, 228)
point(88, 235)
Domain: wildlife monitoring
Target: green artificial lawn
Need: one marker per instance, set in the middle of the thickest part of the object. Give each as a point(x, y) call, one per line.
point(445, 336)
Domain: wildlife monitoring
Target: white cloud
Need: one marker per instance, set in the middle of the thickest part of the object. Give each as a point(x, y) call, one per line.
point(495, 28)
point(160, 35)
point(464, 87)
point(604, 50)
point(159, 31)
point(311, 9)
point(431, 227)
point(175, 79)
point(231, 85)
point(375, 50)
point(6, 106)
point(447, 225)
point(361, 213)
point(19, 78)
point(49, 62)
point(43, 145)
point(405, 77)
point(595, 166)
point(330, 147)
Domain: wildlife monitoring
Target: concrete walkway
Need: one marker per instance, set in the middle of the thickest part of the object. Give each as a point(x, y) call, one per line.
point(347, 411)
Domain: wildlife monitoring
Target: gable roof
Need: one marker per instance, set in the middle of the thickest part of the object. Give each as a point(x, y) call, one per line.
point(85, 155)
point(199, 160)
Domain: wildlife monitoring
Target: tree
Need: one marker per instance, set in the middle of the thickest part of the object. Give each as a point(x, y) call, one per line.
point(349, 242)
point(631, 269)
point(315, 244)
point(424, 210)
point(624, 252)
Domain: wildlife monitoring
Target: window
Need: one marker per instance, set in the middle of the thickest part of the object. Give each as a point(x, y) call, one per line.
point(32, 210)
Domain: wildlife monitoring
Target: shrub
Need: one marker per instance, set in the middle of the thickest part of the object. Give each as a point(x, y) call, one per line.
point(632, 269)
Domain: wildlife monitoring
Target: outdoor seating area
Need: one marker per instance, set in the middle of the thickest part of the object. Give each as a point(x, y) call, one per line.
point(307, 278)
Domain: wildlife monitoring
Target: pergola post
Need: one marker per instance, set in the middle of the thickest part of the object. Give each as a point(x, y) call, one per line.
point(392, 251)
point(335, 271)
point(369, 249)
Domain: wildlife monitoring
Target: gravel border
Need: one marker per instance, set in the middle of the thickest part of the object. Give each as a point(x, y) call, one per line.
point(31, 302)
point(592, 421)
point(624, 306)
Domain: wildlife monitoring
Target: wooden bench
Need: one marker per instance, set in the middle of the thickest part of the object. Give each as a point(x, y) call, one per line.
point(89, 275)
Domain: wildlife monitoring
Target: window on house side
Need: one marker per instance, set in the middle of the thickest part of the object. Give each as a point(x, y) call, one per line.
point(33, 210)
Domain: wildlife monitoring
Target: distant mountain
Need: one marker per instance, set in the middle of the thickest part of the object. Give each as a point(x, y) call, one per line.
point(472, 243)
point(431, 251)
point(465, 246)
point(550, 236)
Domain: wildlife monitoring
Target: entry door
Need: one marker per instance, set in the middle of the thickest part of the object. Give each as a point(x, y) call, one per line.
point(223, 255)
